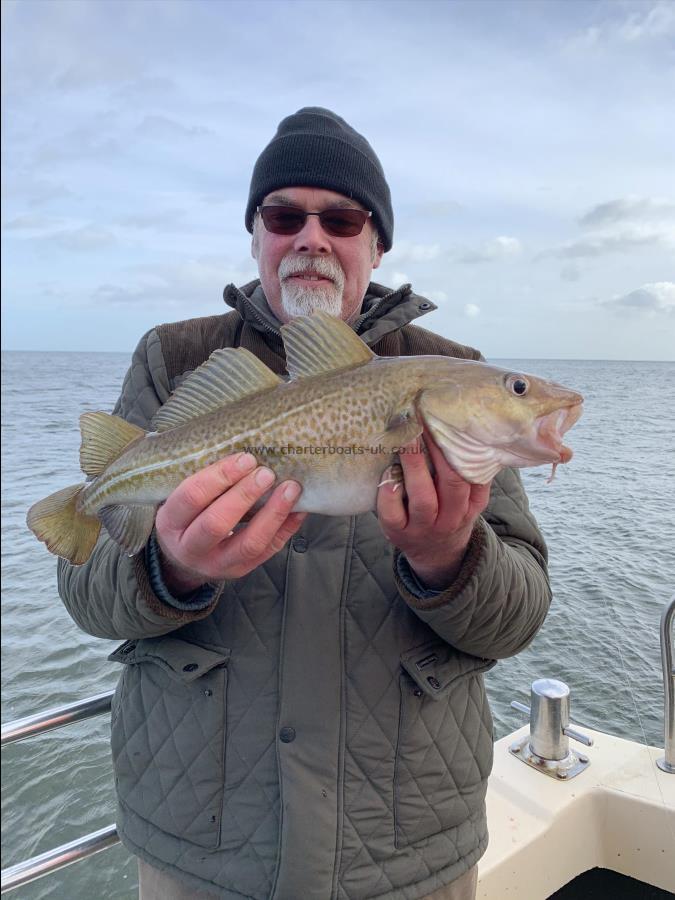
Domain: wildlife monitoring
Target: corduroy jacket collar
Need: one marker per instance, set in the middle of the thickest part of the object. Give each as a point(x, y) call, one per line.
point(383, 310)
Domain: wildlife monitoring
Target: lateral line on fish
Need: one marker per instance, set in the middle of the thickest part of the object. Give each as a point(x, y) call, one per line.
point(112, 482)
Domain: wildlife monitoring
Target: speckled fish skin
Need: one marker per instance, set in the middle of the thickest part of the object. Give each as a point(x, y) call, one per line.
point(364, 414)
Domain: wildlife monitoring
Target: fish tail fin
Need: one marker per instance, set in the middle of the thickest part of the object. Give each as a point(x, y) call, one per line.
point(104, 438)
point(67, 532)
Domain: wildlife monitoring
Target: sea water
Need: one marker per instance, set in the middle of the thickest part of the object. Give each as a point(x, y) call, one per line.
point(608, 518)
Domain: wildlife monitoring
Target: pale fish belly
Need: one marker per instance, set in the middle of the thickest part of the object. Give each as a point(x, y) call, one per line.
point(344, 487)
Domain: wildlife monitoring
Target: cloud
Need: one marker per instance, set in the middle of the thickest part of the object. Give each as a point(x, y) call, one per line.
point(649, 23)
point(147, 87)
point(34, 193)
point(163, 128)
point(163, 220)
point(189, 283)
point(499, 248)
point(399, 278)
point(621, 226)
point(570, 272)
point(652, 299)
point(626, 241)
point(657, 22)
point(471, 310)
point(93, 70)
point(441, 209)
point(82, 143)
point(409, 252)
point(29, 222)
point(84, 240)
point(630, 209)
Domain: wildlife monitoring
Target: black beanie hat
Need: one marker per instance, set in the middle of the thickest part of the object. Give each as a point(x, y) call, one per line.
point(316, 148)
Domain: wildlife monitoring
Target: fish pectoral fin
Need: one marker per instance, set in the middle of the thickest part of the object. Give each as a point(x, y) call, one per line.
point(104, 438)
point(227, 375)
point(321, 343)
point(129, 526)
point(402, 429)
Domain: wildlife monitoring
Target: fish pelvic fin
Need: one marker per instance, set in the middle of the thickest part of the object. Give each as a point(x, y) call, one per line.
point(129, 526)
point(227, 375)
point(320, 343)
point(65, 530)
point(104, 438)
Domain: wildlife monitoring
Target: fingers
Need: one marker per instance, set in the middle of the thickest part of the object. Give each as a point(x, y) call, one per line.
point(196, 493)
point(417, 504)
point(268, 530)
point(391, 509)
point(216, 521)
point(422, 500)
point(196, 526)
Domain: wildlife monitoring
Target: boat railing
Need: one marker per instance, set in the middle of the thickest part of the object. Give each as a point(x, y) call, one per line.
point(38, 866)
point(46, 863)
point(667, 762)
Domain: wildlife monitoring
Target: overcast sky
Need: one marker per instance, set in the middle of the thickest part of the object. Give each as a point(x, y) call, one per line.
point(529, 147)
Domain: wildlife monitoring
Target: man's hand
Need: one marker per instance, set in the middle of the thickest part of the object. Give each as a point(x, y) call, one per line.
point(194, 527)
point(433, 524)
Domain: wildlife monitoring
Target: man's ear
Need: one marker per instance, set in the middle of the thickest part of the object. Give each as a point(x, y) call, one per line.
point(378, 255)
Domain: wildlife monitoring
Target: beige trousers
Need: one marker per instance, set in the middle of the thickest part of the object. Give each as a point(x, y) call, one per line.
point(156, 885)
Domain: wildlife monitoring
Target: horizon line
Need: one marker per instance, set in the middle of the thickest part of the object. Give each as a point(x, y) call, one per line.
point(491, 358)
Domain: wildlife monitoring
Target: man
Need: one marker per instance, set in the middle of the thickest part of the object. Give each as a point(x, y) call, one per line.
point(302, 714)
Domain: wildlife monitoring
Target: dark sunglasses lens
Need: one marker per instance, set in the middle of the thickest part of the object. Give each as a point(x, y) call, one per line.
point(338, 222)
point(283, 219)
point(343, 222)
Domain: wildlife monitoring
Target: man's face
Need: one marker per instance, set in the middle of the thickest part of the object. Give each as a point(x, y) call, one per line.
point(312, 269)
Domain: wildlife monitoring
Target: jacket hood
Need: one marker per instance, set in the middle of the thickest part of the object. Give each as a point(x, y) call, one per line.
point(383, 310)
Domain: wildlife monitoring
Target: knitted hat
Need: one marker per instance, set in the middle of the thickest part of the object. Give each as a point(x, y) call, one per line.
point(316, 148)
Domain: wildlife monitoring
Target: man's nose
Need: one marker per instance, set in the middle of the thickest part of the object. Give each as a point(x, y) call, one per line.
point(312, 238)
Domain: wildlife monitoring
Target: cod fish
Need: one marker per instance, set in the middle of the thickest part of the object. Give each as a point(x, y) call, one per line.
point(335, 427)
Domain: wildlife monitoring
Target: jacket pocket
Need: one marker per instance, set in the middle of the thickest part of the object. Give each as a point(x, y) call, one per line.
point(168, 735)
point(444, 752)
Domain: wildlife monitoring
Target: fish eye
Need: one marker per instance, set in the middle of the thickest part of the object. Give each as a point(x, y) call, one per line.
point(517, 385)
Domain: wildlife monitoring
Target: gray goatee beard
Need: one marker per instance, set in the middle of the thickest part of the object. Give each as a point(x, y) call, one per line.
point(298, 299)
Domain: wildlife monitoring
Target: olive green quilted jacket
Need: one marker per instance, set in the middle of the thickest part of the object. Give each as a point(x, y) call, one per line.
point(321, 730)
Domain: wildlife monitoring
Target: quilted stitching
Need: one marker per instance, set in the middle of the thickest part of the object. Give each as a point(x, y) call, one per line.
point(431, 757)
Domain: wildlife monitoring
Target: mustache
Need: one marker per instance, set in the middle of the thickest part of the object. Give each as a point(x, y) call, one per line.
point(297, 265)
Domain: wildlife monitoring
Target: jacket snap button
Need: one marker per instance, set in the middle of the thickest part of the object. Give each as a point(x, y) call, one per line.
point(424, 306)
point(287, 734)
point(299, 543)
point(190, 667)
point(434, 682)
point(418, 692)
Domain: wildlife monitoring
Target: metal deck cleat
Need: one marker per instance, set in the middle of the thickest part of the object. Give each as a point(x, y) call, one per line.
point(546, 748)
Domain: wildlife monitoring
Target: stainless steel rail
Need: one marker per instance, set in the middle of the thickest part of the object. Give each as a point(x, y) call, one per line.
point(24, 872)
point(667, 762)
point(56, 717)
point(38, 866)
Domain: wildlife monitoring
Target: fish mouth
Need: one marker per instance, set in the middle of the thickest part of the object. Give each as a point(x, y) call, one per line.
point(551, 428)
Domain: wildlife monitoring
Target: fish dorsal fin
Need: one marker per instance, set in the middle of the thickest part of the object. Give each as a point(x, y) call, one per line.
point(104, 438)
point(320, 343)
point(226, 376)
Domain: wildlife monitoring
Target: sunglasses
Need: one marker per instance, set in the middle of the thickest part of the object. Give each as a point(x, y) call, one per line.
point(336, 222)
